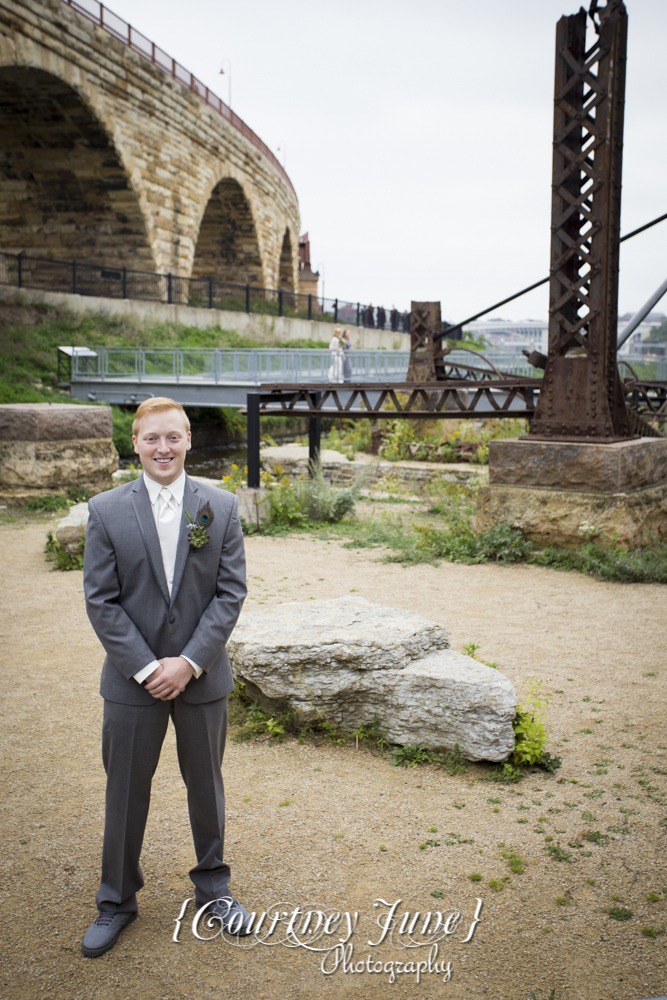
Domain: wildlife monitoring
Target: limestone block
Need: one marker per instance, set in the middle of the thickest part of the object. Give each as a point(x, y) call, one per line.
point(352, 662)
point(57, 463)
point(574, 465)
point(254, 505)
point(71, 530)
point(292, 460)
point(553, 517)
point(53, 422)
point(287, 455)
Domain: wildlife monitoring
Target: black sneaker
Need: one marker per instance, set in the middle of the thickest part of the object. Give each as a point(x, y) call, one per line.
point(103, 933)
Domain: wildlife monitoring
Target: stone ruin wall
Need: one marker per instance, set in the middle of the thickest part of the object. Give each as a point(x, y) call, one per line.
point(46, 446)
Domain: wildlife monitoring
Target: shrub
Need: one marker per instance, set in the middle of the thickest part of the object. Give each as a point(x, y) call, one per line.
point(313, 499)
point(481, 456)
point(47, 503)
point(410, 755)
point(122, 430)
point(372, 735)
point(504, 774)
point(400, 434)
point(352, 436)
point(530, 732)
point(504, 544)
point(451, 761)
point(610, 561)
point(56, 553)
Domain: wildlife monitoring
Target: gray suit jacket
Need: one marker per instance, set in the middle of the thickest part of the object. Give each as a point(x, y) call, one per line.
point(128, 602)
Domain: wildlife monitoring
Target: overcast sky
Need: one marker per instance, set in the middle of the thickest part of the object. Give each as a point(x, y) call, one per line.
point(418, 135)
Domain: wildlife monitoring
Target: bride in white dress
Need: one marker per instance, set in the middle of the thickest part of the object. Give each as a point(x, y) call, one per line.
point(336, 366)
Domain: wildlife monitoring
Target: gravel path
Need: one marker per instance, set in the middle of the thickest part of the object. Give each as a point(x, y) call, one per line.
point(599, 648)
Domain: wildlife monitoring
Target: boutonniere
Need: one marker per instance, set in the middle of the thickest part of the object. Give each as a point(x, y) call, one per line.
point(198, 533)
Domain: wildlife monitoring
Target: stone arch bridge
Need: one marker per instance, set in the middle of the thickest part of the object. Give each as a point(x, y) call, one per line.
point(109, 154)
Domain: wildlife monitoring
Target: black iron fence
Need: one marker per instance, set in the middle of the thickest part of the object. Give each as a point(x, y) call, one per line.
point(23, 271)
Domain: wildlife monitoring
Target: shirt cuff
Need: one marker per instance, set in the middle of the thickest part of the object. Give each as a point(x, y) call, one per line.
point(198, 670)
point(146, 671)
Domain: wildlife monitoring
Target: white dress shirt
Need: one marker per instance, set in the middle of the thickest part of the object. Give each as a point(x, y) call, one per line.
point(167, 503)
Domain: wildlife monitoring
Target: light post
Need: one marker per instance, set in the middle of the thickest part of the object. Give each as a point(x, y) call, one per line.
point(228, 74)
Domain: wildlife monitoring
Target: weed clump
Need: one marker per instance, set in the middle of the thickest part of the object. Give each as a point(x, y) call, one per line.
point(557, 853)
point(412, 755)
point(595, 837)
point(515, 861)
point(618, 913)
point(62, 559)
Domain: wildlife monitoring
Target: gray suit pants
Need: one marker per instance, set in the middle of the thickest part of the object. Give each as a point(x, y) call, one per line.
point(132, 738)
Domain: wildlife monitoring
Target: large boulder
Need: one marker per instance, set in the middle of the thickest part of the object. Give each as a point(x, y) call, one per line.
point(351, 662)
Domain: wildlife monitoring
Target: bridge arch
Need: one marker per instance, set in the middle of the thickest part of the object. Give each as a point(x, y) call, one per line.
point(227, 246)
point(64, 191)
point(286, 264)
point(162, 143)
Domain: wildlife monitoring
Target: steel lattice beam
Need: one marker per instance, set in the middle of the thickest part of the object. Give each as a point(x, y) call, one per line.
point(582, 397)
point(506, 396)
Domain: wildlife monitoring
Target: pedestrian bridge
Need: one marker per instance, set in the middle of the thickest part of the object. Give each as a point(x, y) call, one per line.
point(193, 377)
point(217, 377)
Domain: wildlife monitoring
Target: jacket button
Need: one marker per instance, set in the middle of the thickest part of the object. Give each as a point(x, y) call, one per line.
point(172, 619)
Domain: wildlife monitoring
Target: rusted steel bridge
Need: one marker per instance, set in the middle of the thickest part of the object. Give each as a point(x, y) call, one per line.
point(581, 395)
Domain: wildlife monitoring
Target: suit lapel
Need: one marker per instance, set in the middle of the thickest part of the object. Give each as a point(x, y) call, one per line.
point(191, 503)
point(142, 508)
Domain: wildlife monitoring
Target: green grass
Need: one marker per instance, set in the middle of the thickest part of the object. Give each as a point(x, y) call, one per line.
point(446, 532)
point(31, 334)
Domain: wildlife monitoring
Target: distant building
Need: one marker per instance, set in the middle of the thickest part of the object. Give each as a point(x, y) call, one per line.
point(636, 344)
point(533, 334)
point(512, 335)
point(308, 279)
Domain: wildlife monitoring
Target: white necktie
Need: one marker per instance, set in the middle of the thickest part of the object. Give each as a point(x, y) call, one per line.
point(166, 512)
point(168, 531)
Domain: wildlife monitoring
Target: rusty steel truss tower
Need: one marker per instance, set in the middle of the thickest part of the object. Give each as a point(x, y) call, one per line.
point(582, 397)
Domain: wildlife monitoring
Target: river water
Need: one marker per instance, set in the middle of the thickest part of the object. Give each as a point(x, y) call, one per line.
point(213, 462)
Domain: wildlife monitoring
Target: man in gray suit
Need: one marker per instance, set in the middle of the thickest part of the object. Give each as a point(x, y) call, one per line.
point(163, 608)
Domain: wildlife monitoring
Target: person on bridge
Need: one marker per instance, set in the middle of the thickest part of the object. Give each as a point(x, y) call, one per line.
point(346, 344)
point(164, 580)
point(382, 318)
point(393, 318)
point(336, 366)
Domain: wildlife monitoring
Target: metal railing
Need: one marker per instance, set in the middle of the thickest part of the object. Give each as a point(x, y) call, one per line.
point(269, 365)
point(148, 365)
point(641, 367)
point(120, 29)
point(111, 281)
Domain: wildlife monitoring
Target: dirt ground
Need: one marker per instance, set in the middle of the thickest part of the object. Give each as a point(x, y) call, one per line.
point(307, 823)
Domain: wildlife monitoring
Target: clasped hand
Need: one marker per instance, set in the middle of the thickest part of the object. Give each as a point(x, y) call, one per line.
point(170, 678)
